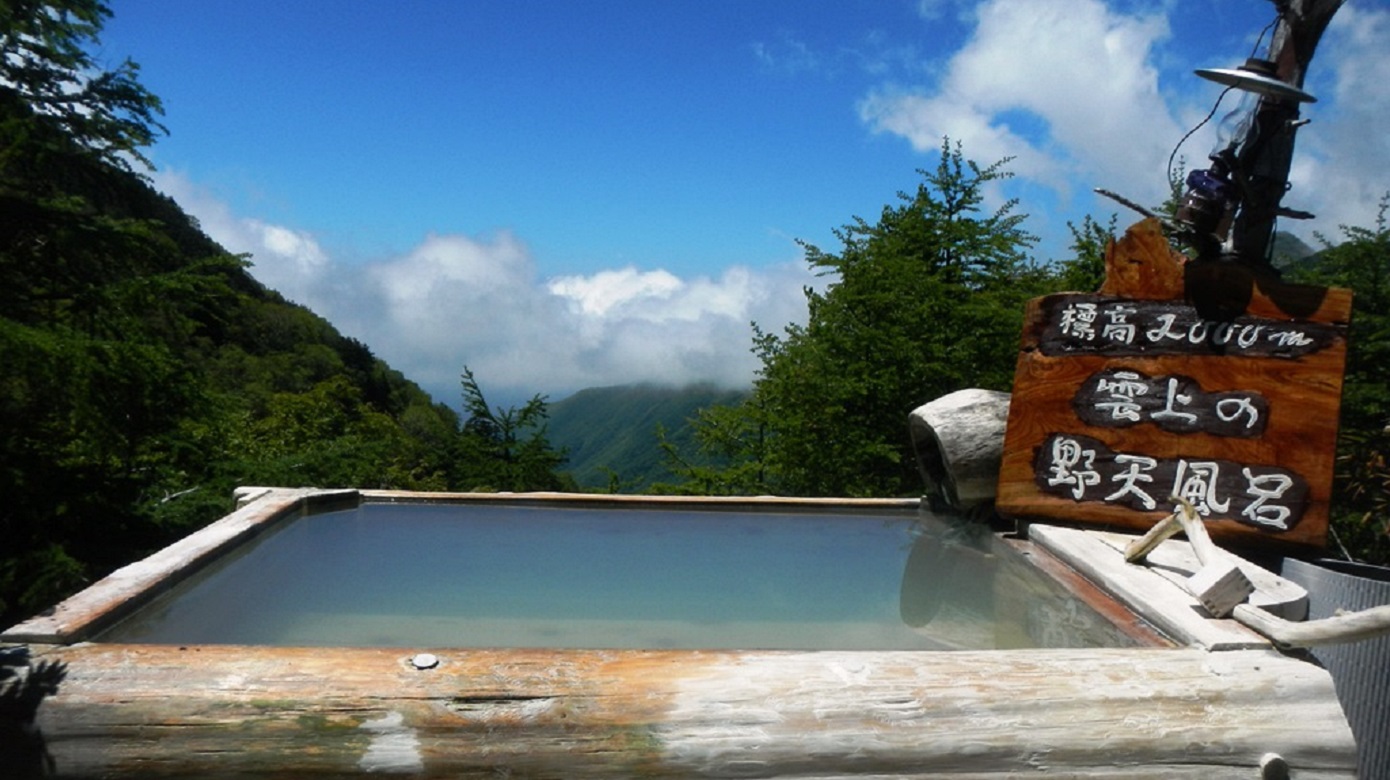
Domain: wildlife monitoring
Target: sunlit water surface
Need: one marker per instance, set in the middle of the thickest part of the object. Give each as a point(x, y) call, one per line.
point(480, 575)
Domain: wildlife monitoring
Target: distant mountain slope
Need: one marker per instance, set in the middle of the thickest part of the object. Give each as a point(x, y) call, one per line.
point(1290, 251)
point(612, 430)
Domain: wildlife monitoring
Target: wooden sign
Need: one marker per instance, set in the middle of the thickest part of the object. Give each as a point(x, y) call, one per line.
point(1129, 396)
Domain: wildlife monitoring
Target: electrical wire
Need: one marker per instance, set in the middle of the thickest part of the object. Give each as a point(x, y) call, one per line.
point(1280, 8)
point(1199, 126)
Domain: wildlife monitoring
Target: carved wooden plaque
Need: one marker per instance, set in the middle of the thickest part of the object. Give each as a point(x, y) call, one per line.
point(1129, 396)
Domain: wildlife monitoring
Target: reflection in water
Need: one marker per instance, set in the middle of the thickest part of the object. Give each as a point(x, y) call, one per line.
point(965, 588)
point(947, 586)
point(948, 564)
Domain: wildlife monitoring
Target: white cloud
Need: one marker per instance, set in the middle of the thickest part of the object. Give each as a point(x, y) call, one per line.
point(1063, 86)
point(284, 259)
point(455, 300)
point(1342, 166)
point(931, 9)
point(602, 292)
point(787, 55)
point(1070, 89)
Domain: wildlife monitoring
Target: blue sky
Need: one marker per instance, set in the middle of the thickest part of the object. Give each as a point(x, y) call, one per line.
point(580, 193)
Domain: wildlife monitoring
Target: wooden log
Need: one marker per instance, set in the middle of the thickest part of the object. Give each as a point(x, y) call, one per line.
point(958, 440)
point(1339, 629)
point(220, 711)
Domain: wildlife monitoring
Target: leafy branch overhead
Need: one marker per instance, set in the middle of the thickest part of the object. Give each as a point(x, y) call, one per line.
point(46, 64)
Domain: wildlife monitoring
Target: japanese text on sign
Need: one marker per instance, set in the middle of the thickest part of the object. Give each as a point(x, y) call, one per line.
point(1118, 398)
point(1084, 469)
point(1089, 324)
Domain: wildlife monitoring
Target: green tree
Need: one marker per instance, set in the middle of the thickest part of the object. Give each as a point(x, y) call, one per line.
point(506, 448)
point(1084, 271)
point(94, 306)
point(1361, 493)
point(46, 64)
point(926, 301)
point(731, 453)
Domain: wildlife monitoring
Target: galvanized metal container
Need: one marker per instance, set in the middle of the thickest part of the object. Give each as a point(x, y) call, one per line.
point(1361, 670)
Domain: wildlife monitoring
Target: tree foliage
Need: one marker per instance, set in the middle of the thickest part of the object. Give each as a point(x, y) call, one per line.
point(1361, 493)
point(731, 452)
point(925, 301)
point(506, 448)
point(46, 64)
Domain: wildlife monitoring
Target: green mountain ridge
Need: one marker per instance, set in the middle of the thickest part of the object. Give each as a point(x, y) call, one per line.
point(611, 432)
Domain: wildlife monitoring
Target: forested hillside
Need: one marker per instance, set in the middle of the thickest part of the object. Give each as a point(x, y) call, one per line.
point(146, 373)
point(611, 433)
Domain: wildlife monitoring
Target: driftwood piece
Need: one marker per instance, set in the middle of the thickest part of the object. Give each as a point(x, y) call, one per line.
point(1339, 629)
point(151, 711)
point(1164, 529)
point(1220, 584)
point(958, 440)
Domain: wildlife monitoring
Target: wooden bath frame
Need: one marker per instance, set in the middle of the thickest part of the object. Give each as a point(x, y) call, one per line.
point(1215, 707)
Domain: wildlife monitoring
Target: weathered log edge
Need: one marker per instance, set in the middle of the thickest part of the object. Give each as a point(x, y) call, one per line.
point(146, 711)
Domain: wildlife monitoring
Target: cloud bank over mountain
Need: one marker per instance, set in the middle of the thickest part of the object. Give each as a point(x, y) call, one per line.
point(478, 300)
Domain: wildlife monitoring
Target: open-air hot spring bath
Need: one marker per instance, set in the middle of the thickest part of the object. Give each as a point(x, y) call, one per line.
point(576, 576)
point(338, 633)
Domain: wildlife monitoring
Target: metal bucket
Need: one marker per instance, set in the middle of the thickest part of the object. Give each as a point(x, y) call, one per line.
point(1361, 670)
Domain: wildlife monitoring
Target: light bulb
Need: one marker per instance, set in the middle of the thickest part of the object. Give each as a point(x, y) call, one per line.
point(1235, 126)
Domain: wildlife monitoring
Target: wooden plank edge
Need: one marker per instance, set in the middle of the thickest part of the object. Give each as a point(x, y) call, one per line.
point(769, 502)
point(1175, 561)
point(1166, 605)
point(123, 590)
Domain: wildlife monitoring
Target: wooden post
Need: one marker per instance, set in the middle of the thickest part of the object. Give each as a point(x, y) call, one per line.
point(1267, 153)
